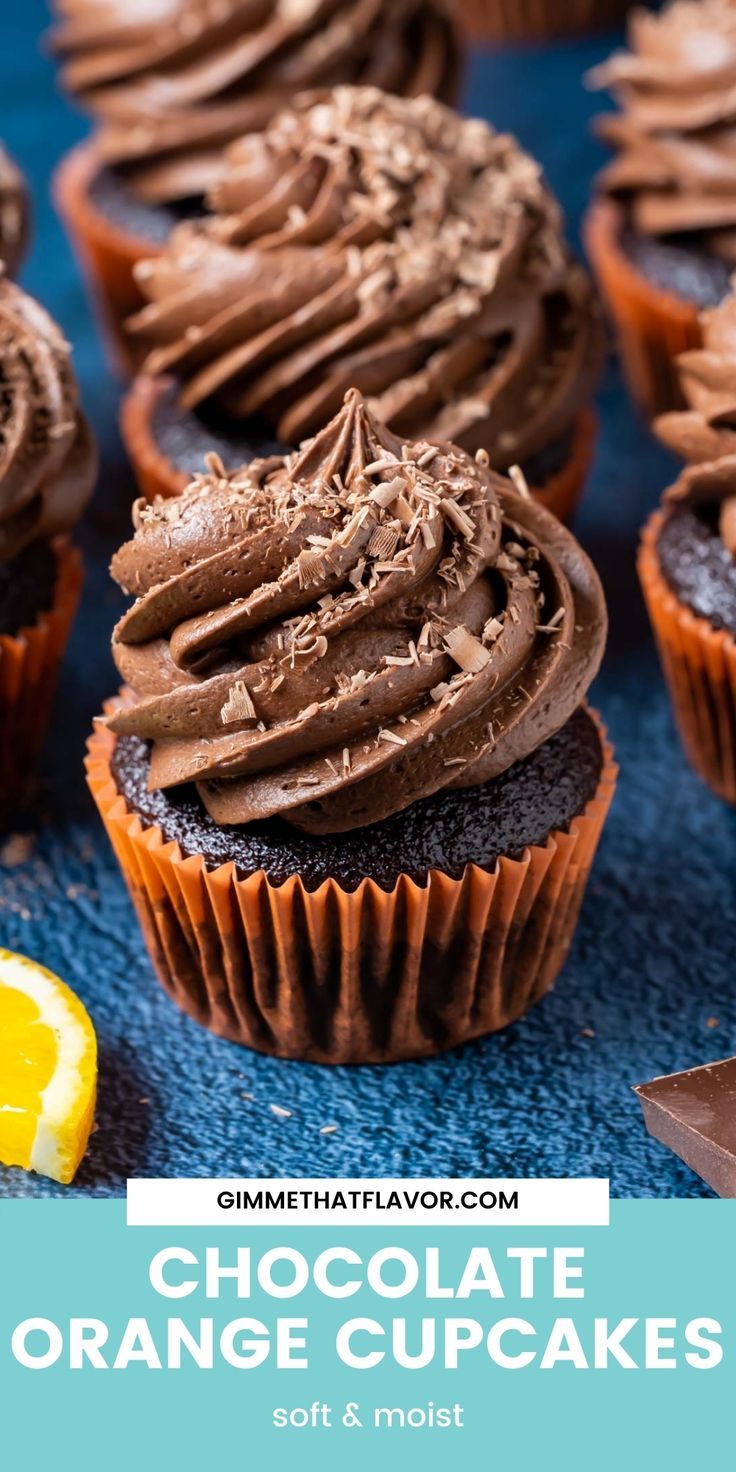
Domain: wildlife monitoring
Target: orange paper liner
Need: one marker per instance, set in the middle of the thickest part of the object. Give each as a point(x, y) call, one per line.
point(339, 977)
point(156, 475)
point(699, 664)
point(537, 20)
point(29, 662)
point(106, 253)
point(652, 326)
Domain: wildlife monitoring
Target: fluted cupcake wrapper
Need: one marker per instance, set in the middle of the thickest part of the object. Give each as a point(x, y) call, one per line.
point(352, 977)
point(652, 326)
point(106, 253)
point(157, 476)
point(699, 664)
point(537, 20)
point(29, 663)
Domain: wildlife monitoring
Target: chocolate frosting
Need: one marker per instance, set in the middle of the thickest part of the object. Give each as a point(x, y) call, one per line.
point(675, 138)
point(14, 214)
point(388, 244)
point(170, 82)
point(332, 635)
point(47, 457)
point(704, 433)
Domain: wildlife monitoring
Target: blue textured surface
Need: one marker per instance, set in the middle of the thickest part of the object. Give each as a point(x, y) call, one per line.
point(653, 962)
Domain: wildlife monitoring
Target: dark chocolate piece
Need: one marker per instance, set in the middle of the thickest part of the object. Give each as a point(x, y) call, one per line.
point(697, 565)
point(26, 587)
point(447, 831)
point(679, 264)
point(694, 1114)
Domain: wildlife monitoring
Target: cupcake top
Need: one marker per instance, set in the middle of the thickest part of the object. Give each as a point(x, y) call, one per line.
point(675, 160)
point(14, 214)
point(385, 243)
point(332, 635)
point(47, 456)
point(170, 81)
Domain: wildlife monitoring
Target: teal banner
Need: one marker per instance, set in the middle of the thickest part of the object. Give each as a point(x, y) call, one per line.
point(133, 1347)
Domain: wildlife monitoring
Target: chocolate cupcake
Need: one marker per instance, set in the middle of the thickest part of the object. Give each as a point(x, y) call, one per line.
point(687, 561)
point(168, 89)
point(14, 214)
point(662, 233)
point(379, 242)
point(47, 469)
point(538, 20)
point(350, 779)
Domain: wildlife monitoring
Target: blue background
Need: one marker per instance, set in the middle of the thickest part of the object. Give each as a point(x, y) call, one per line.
point(653, 962)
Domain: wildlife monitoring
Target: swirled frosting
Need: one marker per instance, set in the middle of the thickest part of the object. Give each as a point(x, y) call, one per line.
point(14, 214)
point(169, 82)
point(332, 635)
point(47, 456)
point(675, 135)
point(704, 433)
point(388, 244)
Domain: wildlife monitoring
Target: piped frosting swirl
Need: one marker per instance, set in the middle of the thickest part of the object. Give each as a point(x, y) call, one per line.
point(170, 82)
point(387, 244)
point(47, 457)
point(333, 635)
point(14, 214)
point(675, 158)
point(704, 433)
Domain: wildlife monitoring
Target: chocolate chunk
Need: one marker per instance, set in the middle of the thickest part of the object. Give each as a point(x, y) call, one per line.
point(694, 1114)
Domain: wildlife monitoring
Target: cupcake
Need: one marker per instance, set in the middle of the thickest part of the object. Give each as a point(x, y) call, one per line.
point(662, 233)
point(47, 469)
point(14, 214)
point(168, 88)
point(350, 779)
point(537, 20)
point(384, 243)
point(687, 561)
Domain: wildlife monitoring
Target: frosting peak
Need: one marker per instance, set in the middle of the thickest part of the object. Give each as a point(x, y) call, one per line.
point(171, 82)
point(14, 214)
point(676, 88)
point(47, 457)
point(385, 243)
point(332, 635)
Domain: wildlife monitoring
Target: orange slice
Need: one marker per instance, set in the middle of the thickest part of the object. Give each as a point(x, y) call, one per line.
point(48, 1071)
